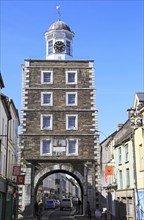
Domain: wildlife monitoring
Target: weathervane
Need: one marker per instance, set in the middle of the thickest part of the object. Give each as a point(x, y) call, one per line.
point(58, 10)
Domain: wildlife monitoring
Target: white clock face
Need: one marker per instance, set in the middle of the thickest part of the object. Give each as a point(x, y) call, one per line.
point(59, 46)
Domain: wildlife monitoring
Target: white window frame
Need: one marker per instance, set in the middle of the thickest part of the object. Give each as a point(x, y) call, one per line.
point(127, 177)
point(119, 155)
point(41, 147)
point(51, 120)
point(42, 77)
point(50, 47)
point(76, 122)
point(51, 99)
point(67, 95)
point(67, 73)
point(68, 47)
point(120, 179)
point(126, 152)
point(76, 147)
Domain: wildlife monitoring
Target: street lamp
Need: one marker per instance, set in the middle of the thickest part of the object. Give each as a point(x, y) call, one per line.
point(136, 121)
point(101, 133)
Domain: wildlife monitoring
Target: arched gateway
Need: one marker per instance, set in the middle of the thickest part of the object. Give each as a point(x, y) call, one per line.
point(59, 119)
point(59, 168)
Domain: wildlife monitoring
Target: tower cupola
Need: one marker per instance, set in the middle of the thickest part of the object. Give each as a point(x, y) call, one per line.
point(59, 39)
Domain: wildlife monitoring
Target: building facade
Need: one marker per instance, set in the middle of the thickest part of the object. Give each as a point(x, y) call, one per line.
point(123, 154)
point(137, 124)
point(59, 117)
point(9, 122)
point(125, 206)
point(108, 177)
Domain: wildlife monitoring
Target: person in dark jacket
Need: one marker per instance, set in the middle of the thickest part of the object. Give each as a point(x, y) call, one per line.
point(88, 210)
point(36, 207)
point(79, 205)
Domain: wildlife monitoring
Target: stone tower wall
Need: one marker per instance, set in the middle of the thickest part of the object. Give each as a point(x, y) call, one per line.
point(86, 133)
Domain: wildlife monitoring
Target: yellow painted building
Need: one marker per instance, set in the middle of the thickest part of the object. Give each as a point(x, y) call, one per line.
point(139, 153)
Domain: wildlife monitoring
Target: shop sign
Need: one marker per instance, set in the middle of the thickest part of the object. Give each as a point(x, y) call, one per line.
point(16, 170)
point(21, 179)
point(109, 170)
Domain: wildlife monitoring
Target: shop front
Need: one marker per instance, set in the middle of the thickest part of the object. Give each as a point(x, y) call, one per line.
point(8, 199)
point(2, 196)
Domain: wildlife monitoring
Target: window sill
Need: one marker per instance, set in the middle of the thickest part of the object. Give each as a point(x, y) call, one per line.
point(46, 83)
point(71, 83)
point(71, 129)
point(43, 129)
point(44, 155)
point(46, 104)
point(72, 155)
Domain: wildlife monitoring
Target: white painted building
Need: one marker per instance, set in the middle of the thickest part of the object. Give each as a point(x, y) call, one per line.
point(9, 122)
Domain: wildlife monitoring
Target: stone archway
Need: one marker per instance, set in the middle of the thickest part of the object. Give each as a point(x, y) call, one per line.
point(67, 168)
point(80, 172)
point(63, 168)
point(83, 173)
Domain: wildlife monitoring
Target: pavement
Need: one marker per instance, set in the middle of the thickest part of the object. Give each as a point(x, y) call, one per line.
point(86, 218)
point(76, 218)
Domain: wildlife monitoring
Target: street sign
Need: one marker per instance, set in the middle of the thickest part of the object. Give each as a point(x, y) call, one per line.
point(16, 170)
point(21, 179)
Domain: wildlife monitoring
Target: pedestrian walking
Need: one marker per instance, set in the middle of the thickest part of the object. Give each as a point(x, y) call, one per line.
point(88, 210)
point(36, 208)
point(79, 205)
point(40, 208)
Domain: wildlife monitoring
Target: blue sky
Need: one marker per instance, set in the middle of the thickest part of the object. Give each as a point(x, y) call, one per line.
point(109, 32)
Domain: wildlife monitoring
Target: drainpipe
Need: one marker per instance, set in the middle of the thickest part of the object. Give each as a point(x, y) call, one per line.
point(32, 189)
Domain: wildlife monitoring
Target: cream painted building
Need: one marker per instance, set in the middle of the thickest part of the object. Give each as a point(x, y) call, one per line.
point(117, 193)
point(124, 165)
point(138, 126)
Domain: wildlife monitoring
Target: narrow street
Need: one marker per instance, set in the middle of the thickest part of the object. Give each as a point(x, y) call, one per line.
point(60, 215)
point(71, 110)
point(57, 214)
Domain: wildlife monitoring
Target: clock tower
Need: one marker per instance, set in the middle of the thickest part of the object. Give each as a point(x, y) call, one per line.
point(59, 123)
point(59, 38)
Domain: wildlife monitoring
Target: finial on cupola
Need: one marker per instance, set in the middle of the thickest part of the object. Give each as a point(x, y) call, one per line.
point(58, 11)
point(59, 40)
